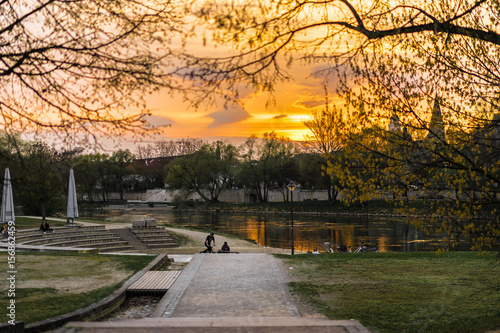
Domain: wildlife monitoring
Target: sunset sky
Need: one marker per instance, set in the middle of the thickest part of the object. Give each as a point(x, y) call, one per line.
point(294, 101)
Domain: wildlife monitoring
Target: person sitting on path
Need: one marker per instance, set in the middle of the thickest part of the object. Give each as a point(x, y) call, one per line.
point(208, 243)
point(225, 248)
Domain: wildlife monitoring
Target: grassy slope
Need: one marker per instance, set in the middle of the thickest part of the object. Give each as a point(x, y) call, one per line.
point(34, 223)
point(45, 295)
point(396, 292)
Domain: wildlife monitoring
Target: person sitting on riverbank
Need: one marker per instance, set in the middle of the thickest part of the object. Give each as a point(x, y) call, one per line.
point(342, 249)
point(225, 248)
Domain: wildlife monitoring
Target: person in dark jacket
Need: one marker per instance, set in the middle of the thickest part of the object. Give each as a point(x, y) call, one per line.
point(225, 248)
point(208, 243)
point(47, 226)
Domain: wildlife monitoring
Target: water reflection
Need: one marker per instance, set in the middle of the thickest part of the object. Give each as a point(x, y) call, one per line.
point(322, 232)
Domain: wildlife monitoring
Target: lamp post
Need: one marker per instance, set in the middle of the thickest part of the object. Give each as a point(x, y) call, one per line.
point(291, 186)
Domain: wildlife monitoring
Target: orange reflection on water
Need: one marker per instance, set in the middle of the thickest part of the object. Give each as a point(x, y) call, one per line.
point(383, 244)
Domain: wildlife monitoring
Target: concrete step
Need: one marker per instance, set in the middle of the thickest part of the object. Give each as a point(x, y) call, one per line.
point(131, 238)
point(55, 238)
point(35, 231)
point(157, 236)
point(88, 242)
point(219, 325)
point(150, 233)
point(147, 228)
point(116, 248)
point(162, 246)
point(154, 237)
point(159, 241)
point(118, 243)
point(23, 238)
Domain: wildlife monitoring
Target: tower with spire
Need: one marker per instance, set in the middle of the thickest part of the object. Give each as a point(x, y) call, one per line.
point(394, 124)
point(436, 126)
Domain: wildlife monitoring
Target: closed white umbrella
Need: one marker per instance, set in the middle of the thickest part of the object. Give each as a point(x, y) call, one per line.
point(72, 211)
point(7, 199)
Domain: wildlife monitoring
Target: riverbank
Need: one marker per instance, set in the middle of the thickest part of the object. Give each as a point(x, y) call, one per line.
point(371, 208)
point(381, 207)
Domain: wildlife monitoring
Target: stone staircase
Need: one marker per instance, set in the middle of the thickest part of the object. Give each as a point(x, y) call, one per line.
point(152, 236)
point(131, 238)
point(142, 236)
point(74, 236)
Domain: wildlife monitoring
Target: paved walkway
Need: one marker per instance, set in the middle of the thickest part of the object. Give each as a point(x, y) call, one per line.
point(232, 285)
point(226, 293)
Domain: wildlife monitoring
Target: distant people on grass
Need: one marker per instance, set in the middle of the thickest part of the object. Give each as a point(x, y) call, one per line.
point(344, 249)
point(209, 242)
point(315, 251)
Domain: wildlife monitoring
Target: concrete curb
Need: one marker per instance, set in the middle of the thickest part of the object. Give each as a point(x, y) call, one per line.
point(96, 310)
point(221, 325)
point(168, 302)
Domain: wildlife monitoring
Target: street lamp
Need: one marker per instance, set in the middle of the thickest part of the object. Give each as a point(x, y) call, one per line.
point(291, 186)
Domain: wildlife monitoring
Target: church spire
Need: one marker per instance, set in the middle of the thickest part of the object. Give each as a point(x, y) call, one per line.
point(394, 124)
point(436, 110)
point(436, 126)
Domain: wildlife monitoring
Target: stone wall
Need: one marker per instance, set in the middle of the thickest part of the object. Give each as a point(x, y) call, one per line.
point(244, 195)
point(230, 196)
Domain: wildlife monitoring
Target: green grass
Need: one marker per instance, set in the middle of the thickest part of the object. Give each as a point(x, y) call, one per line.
point(402, 292)
point(35, 304)
point(180, 240)
point(49, 299)
point(34, 223)
point(23, 222)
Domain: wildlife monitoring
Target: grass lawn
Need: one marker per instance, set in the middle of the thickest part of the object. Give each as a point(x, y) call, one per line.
point(48, 285)
point(402, 292)
point(34, 223)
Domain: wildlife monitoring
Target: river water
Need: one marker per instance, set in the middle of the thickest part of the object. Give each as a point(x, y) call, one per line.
point(274, 230)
